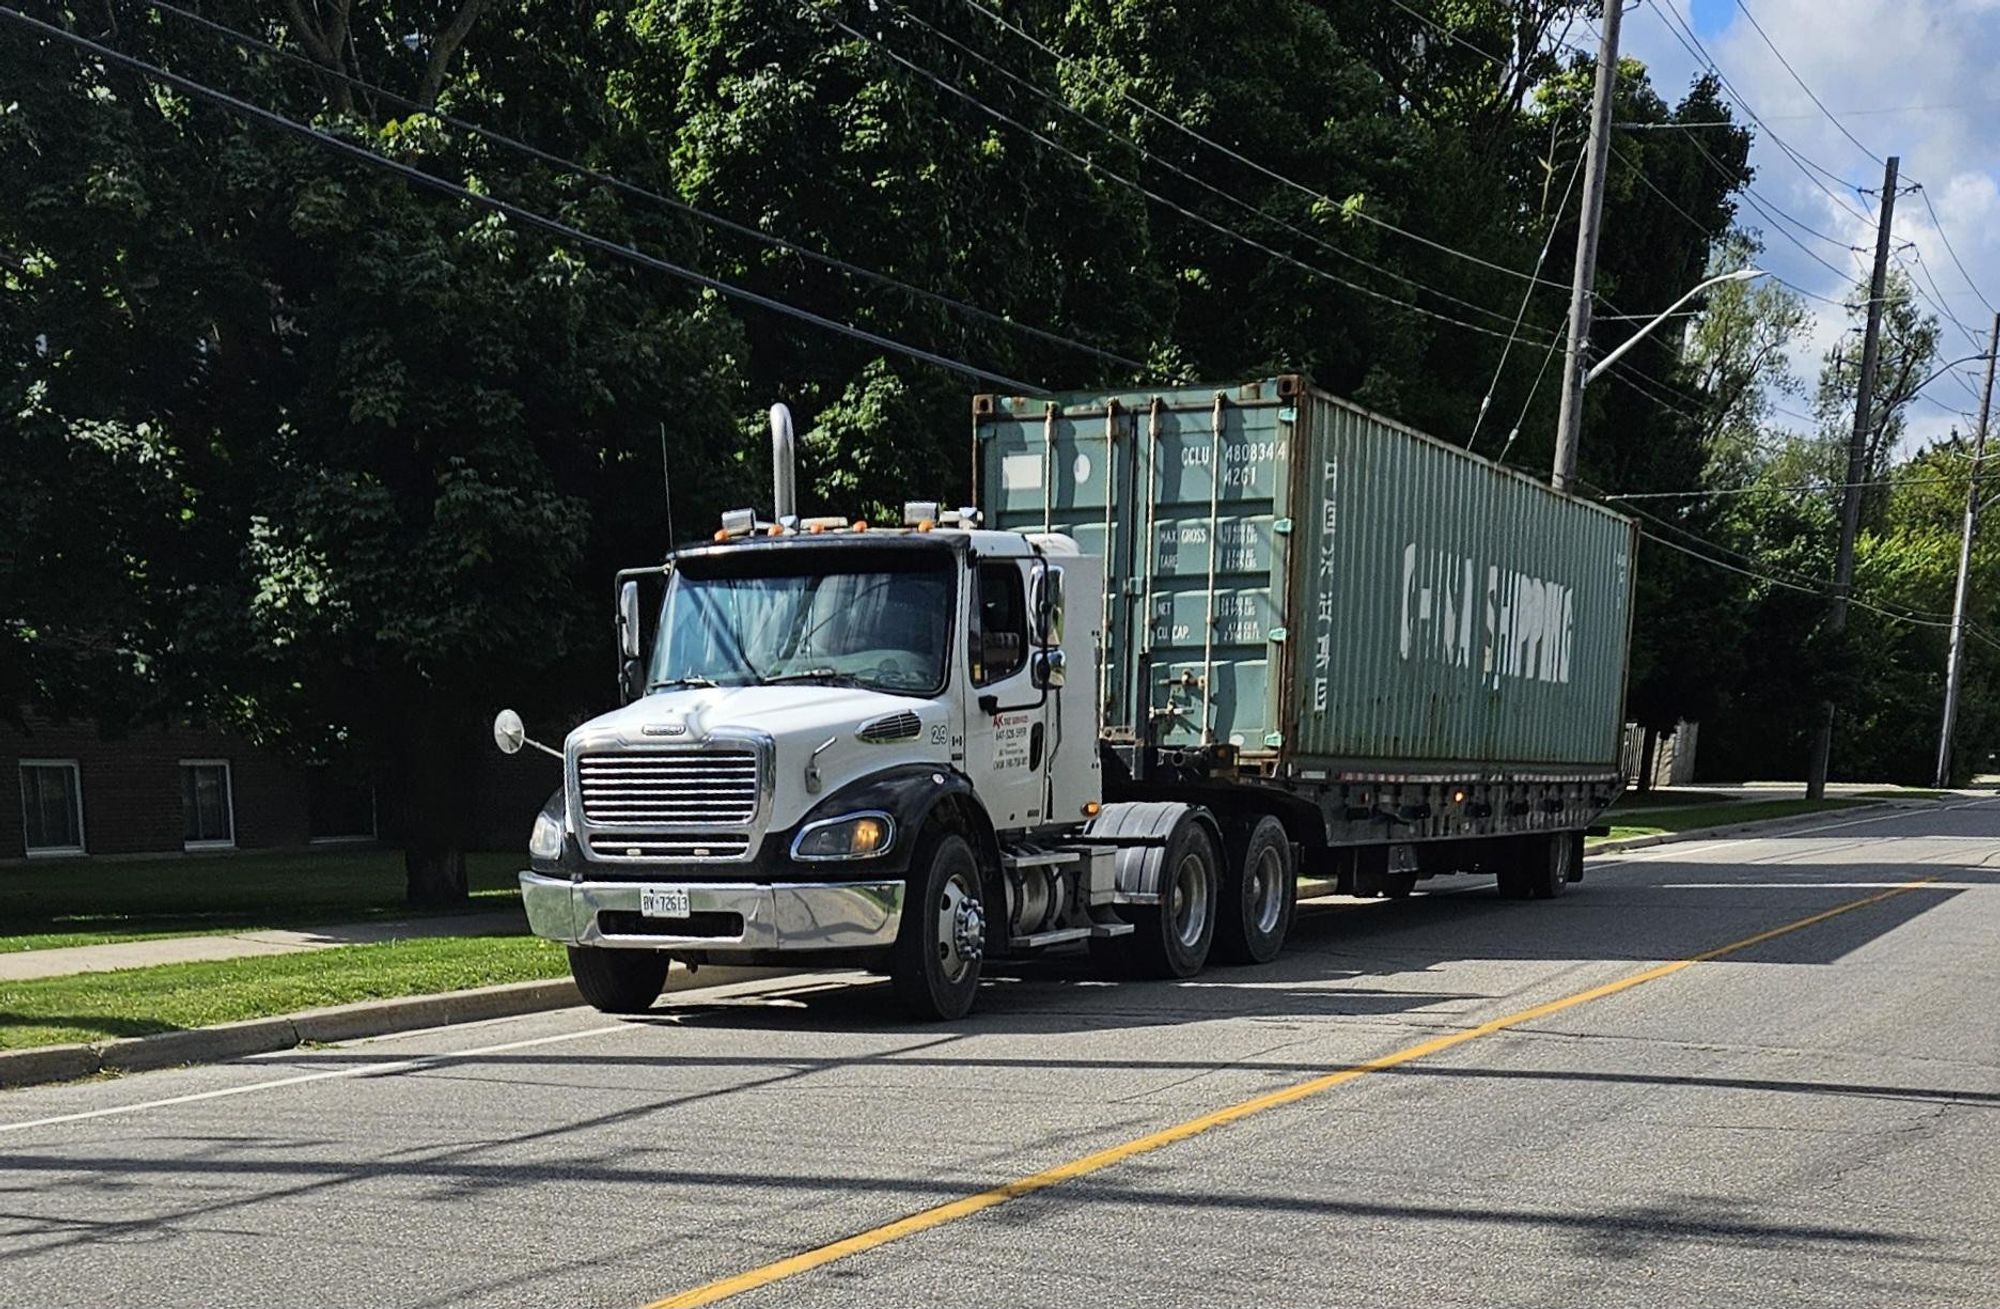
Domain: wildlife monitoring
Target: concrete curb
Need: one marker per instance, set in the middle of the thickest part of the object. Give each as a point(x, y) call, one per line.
point(1734, 829)
point(347, 1022)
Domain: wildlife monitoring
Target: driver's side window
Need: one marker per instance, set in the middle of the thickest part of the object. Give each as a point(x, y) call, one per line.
point(999, 645)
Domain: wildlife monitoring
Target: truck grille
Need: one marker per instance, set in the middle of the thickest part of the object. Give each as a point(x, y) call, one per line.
point(710, 788)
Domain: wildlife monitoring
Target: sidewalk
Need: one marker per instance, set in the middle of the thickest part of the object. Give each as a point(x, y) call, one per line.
point(24, 965)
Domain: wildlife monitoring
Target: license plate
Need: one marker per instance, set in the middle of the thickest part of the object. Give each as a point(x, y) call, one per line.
point(663, 902)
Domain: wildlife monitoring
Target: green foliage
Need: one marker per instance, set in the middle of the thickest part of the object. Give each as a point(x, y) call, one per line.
point(349, 463)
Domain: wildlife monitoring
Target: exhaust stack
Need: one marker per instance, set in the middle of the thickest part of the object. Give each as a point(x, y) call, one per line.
point(784, 489)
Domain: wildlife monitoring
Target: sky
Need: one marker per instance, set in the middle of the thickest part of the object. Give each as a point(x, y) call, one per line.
point(1919, 79)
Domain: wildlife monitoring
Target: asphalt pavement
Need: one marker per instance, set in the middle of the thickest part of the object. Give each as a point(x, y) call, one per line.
point(1759, 1071)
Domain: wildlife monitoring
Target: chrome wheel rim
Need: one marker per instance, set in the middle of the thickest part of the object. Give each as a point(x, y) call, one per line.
point(1189, 899)
point(1266, 878)
point(961, 928)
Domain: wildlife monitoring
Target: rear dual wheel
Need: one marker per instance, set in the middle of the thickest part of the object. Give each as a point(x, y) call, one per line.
point(1544, 866)
point(1172, 938)
point(1260, 892)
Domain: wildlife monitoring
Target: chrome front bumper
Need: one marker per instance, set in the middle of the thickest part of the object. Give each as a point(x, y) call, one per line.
point(776, 916)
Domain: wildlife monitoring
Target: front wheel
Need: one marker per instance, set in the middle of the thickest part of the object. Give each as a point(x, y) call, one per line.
point(934, 965)
point(618, 981)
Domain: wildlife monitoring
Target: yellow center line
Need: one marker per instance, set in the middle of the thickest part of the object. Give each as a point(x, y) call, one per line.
point(924, 1220)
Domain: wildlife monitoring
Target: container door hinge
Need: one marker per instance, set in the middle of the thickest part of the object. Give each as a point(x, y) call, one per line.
point(1282, 526)
point(1274, 739)
point(1276, 634)
point(1289, 414)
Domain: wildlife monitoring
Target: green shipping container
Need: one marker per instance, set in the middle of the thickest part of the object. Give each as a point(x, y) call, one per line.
point(1321, 587)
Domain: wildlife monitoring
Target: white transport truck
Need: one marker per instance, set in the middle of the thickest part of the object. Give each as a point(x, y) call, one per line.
point(921, 748)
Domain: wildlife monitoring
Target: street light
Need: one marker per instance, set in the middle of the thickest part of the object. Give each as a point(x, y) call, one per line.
point(1569, 425)
point(1740, 275)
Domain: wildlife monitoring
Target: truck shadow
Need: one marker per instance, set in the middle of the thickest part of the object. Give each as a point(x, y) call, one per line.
point(1371, 959)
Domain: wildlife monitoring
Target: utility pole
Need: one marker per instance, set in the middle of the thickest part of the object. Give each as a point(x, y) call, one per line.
point(1569, 427)
point(1857, 461)
point(1954, 669)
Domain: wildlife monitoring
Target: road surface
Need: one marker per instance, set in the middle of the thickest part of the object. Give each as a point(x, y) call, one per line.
point(1755, 1072)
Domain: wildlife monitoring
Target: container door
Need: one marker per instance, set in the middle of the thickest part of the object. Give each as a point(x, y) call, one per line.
point(1210, 487)
point(1047, 468)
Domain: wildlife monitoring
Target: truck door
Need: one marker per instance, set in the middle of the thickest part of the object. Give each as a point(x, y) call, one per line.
point(1006, 743)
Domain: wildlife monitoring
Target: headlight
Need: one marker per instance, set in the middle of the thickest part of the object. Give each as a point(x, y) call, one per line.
point(546, 841)
point(851, 836)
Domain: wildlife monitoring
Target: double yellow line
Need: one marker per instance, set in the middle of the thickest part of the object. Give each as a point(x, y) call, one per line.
point(925, 1220)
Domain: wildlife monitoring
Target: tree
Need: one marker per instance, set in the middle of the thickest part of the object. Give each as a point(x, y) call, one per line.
point(370, 425)
point(1904, 358)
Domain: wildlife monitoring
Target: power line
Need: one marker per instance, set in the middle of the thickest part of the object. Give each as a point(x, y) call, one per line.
point(1692, 44)
point(1938, 223)
point(1203, 183)
point(1860, 145)
point(1639, 170)
point(1099, 170)
point(1779, 490)
point(1810, 93)
point(519, 213)
point(1856, 601)
point(1247, 162)
point(655, 197)
point(1519, 314)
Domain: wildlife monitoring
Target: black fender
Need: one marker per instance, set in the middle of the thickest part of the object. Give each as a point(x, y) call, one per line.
point(1153, 822)
point(911, 794)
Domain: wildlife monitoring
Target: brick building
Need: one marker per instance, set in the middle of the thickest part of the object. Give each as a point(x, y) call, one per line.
point(162, 790)
point(165, 789)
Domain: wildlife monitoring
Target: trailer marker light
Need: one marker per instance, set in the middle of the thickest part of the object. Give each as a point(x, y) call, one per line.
point(1091, 808)
point(860, 524)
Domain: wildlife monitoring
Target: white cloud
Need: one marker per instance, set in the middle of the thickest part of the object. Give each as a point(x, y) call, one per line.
point(1916, 78)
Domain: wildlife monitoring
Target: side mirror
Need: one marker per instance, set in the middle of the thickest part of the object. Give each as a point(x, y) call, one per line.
point(1050, 668)
point(508, 733)
point(1048, 607)
point(628, 620)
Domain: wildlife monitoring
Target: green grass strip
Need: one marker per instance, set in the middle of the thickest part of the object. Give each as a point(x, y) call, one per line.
point(1625, 824)
point(63, 902)
point(172, 997)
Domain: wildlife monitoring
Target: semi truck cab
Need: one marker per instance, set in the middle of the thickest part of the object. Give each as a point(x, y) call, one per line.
point(843, 746)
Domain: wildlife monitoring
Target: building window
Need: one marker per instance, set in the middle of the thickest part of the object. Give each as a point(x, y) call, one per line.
point(51, 806)
point(208, 811)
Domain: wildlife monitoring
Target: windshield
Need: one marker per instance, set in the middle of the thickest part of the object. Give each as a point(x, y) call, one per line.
point(874, 618)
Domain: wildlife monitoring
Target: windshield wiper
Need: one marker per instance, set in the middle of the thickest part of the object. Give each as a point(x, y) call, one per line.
point(814, 675)
point(664, 683)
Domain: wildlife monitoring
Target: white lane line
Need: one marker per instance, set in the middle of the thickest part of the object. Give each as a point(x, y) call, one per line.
point(399, 1066)
point(1679, 849)
point(722, 992)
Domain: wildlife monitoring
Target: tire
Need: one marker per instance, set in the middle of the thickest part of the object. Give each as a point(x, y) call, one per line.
point(1397, 886)
point(934, 965)
point(1172, 939)
point(1543, 868)
point(618, 981)
point(1260, 892)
